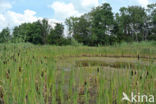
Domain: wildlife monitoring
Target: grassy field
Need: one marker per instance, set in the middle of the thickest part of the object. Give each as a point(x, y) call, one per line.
point(32, 74)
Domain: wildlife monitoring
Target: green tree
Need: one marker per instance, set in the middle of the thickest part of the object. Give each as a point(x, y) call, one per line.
point(35, 32)
point(79, 29)
point(45, 28)
point(28, 32)
point(137, 20)
point(72, 25)
point(56, 35)
point(152, 21)
point(131, 23)
point(102, 23)
point(5, 35)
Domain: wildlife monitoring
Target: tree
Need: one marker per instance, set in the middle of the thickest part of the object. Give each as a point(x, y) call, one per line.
point(72, 25)
point(102, 23)
point(137, 20)
point(79, 28)
point(152, 21)
point(28, 32)
point(56, 35)
point(98, 27)
point(35, 32)
point(123, 21)
point(132, 21)
point(5, 35)
point(93, 28)
point(45, 28)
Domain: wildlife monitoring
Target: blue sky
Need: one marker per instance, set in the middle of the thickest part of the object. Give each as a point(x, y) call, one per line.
point(15, 12)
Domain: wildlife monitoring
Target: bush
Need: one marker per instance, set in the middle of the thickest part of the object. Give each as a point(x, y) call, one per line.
point(75, 43)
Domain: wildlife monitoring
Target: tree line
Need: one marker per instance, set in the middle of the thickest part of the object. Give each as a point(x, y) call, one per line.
point(98, 27)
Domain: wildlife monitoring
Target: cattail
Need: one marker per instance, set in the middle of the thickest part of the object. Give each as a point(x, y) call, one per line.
point(1, 90)
point(1, 95)
point(85, 83)
point(42, 74)
point(26, 97)
point(98, 69)
point(140, 77)
point(36, 83)
point(8, 71)
point(7, 75)
point(132, 73)
point(20, 69)
point(138, 57)
point(147, 73)
point(135, 72)
point(82, 90)
point(4, 62)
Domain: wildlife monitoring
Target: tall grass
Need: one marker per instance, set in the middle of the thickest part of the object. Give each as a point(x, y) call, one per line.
point(29, 74)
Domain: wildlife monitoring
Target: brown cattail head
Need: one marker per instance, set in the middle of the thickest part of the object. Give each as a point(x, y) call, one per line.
point(7, 75)
point(4, 62)
point(8, 71)
point(138, 57)
point(20, 69)
point(98, 70)
point(147, 73)
point(85, 83)
point(26, 97)
point(1, 92)
point(132, 73)
point(42, 74)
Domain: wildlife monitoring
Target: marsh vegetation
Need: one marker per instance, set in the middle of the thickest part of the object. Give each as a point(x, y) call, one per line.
point(32, 74)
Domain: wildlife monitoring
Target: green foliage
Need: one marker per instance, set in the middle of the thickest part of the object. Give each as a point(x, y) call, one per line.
point(102, 23)
point(100, 27)
point(132, 22)
point(5, 35)
point(28, 32)
point(45, 30)
point(75, 43)
point(93, 28)
point(56, 35)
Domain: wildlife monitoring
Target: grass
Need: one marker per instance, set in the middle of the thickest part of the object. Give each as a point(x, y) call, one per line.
point(32, 74)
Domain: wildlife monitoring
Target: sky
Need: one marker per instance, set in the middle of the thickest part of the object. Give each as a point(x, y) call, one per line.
point(16, 12)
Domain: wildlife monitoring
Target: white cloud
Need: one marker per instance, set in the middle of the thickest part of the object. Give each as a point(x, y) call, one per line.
point(143, 3)
point(4, 5)
point(11, 18)
point(2, 18)
point(17, 18)
point(90, 3)
point(63, 10)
